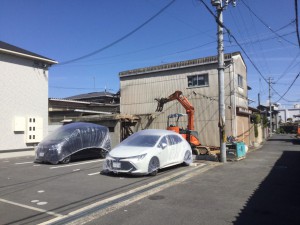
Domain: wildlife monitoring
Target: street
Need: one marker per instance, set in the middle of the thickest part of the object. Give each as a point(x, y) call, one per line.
point(261, 189)
point(34, 193)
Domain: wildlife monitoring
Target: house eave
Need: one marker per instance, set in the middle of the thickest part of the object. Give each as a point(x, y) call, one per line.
point(28, 56)
point(82, 102)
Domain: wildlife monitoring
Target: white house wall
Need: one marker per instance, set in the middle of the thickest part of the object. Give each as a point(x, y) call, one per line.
point(240, 93)
point(24, 94)
point(285, 114)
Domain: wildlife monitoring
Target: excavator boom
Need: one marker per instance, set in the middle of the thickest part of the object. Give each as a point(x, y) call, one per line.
point(189, 134)
point(177, 95)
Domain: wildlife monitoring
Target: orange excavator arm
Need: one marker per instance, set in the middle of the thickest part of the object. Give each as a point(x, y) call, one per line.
point(177, 95)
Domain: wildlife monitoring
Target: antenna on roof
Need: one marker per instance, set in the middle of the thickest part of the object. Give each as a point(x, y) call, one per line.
point(94, 83)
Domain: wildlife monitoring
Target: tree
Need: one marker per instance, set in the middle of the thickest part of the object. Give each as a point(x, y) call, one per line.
point(256, 120)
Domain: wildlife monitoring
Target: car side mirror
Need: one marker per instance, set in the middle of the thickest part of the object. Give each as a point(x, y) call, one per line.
point(163, 145)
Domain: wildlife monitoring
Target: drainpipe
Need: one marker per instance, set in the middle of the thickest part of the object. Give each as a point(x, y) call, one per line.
point(234, 101)
point(232, 98)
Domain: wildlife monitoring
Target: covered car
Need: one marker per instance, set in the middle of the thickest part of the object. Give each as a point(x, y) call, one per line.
point(147, 151)
point(74, 139)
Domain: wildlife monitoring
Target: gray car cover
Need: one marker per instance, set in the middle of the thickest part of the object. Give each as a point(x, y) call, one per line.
point(70, 139)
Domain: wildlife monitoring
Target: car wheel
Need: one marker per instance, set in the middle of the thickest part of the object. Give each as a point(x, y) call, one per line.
point(153, 166)
point(103, 154)
point(66, 160)
point(188, 159)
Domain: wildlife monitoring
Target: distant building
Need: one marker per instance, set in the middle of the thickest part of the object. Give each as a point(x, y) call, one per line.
point(100, 97)
point(98, 107)
point(289, 114)
point(72, 108)
point(198, 80)
point(265, 110)
point(24, 97)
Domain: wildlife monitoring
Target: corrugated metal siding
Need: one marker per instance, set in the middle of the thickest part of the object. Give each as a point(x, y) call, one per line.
point(138, 94)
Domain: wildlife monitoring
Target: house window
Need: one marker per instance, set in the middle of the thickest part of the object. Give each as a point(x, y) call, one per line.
point(240, 81)
point(198, 80)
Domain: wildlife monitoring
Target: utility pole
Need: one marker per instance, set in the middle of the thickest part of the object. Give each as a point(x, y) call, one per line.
point(222, 119)
point(270, 106)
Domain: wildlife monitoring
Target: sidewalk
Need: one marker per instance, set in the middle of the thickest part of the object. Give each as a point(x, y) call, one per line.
point(7, 154)
point(263, 189)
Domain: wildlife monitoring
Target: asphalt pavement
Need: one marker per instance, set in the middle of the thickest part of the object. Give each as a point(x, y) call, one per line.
point(262, 189)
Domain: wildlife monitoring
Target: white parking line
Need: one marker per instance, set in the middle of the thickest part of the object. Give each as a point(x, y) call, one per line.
point(23, 163)
point(92, 174)
point(152, 189)
point(76, 164)
point(30, 207)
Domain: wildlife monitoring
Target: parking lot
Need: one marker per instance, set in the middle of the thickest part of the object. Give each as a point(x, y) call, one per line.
point(36, 193)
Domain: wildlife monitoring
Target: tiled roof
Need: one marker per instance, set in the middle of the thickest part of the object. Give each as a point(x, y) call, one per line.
point(92, 95)
point(11, 49)
point(80, 102)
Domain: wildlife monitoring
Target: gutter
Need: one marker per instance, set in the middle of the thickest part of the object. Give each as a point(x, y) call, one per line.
point(91, 111)
point(28, 56)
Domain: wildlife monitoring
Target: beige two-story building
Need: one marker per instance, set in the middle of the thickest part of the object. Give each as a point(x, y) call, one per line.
point(198, 80)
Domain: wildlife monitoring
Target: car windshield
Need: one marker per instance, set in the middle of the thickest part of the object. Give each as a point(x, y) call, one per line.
point(141, 140)
point(60, 134)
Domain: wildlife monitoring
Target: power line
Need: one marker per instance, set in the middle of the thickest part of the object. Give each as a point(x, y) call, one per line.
point(265, 63)
point(297, 26)
point(285, 26)
point(239, 17)
point(281, 97)
point(287, 69)
point(120, 39)
point(285, 84)
point(250, 41)
point(266, 24)
point(86, 62)
point(240, 46)
point(231, 35)
point(145, 49)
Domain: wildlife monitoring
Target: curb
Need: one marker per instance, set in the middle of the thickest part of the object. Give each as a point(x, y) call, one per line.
point(16, 150)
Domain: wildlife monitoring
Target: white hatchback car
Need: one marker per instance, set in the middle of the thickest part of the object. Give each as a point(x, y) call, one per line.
point(147, 151)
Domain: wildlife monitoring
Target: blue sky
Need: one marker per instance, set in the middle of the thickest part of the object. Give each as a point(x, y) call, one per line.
point(64, 30)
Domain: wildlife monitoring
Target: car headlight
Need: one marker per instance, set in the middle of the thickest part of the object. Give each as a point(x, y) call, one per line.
point(52, 148)
point(56, 147)
point(138, 157)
